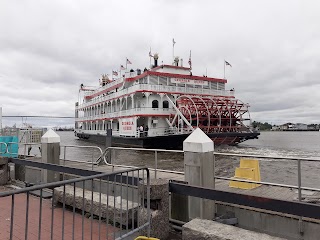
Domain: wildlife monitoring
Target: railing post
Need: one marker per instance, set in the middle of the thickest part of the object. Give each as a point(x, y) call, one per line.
point(301, 230)
point(156, 163)
point(64, 157)
point(199, 168)
point(50, 152)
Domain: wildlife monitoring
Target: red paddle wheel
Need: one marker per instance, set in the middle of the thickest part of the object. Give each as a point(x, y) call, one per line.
point(215, 115)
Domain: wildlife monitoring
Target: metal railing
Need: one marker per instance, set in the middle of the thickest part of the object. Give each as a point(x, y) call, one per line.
point(92, 148)
point(155, 169)
point(103, 155)
point(5, 146)
point(152, 132)
point(149, 87)
point(298, 160)
point(65, 216)
point(7, 149)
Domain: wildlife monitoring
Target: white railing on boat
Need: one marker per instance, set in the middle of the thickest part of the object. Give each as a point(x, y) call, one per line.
point(129, 112)
point(156, 88)
point(152, 132)
point(109, 85)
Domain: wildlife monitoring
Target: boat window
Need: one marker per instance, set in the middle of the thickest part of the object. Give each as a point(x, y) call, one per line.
point(165, 104)
point(155, 104)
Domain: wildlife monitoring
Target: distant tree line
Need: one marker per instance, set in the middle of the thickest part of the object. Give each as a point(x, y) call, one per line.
point(262, 126)
point(267, 126)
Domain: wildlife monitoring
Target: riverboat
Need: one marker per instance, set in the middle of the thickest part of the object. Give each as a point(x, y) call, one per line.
point(159, 107)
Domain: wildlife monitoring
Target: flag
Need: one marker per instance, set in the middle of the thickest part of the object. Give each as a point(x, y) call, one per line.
point(115, 73)
point(227, 64)
point(150, 54)
point(128, 61)
point(122, 67)
point(173, 41)
point(190, 63)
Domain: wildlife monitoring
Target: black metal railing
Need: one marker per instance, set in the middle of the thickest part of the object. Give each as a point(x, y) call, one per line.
point(99, 206)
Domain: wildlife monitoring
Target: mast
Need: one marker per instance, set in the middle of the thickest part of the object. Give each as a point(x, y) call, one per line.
point(173, 43)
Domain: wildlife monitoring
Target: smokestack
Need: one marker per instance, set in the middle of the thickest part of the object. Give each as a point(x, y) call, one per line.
point(181, 62)
point(176, 61)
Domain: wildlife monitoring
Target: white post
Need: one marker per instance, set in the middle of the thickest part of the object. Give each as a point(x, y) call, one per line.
point(50, 153)
point(199, 171)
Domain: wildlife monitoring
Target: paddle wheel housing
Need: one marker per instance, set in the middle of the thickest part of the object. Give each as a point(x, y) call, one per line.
point(215, 114)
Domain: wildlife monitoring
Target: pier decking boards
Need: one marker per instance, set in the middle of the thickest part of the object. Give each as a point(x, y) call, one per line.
point(33, 223)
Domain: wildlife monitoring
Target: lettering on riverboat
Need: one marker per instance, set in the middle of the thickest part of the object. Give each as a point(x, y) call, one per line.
point(189, 81)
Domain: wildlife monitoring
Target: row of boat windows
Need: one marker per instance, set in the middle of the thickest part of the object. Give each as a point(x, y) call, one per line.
point(155, 104)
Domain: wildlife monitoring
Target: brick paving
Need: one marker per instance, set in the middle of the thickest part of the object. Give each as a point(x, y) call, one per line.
point(19, 225)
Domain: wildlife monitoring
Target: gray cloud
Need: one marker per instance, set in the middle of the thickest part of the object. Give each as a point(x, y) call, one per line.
point(48, 48)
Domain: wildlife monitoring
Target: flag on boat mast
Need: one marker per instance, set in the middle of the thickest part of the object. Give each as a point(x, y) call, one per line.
point(227, 63)
point(190, 62)
point(115, 73)
point(173, 43)
point(122, 67)
point(150, 56)
point(128, 62)
point(224, 68)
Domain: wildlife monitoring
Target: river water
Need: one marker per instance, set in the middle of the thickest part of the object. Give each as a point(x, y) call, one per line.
point(280, 144)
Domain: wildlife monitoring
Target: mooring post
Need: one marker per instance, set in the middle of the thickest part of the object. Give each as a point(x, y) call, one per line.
point(199, 168)
point(50, 152)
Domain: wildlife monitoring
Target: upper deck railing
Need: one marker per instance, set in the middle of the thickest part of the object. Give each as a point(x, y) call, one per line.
point(155, 88)
point(128, 112)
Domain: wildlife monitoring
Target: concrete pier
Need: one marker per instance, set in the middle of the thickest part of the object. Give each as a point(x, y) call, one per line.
point(159, 207)
point(203, 229)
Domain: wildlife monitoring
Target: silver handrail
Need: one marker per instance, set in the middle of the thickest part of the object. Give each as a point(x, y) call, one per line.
point(25, 145)
point(89, 147)
point(9, 148)
point(261, 157)
point(155, 169)
point(6, 147)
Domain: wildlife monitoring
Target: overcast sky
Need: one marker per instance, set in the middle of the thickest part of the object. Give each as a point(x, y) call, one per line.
point(48, 48)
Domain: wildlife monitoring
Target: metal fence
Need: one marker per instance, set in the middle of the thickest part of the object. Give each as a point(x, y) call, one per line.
point(93, 149)
point(297, 160)
point(153, 165)
point(101, 206)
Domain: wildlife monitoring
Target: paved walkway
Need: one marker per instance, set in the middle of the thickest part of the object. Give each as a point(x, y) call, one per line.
point(71, 227)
